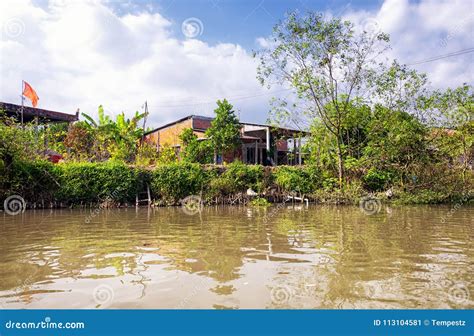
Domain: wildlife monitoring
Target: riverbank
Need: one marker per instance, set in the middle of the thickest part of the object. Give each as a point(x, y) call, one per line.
point(44, 185)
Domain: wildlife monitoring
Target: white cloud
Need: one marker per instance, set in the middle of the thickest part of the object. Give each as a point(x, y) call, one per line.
point(424, 29)
point(82, 54)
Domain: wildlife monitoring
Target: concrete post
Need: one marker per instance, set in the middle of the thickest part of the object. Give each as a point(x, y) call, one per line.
point(294, 150)
point(256, 152)
point(267, 138)
point(299, 150)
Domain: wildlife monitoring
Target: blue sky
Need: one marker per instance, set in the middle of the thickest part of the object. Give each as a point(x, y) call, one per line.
point(243, 21)
point(182, 55)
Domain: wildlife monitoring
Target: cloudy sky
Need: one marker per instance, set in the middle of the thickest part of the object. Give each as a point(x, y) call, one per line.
point(181, 56)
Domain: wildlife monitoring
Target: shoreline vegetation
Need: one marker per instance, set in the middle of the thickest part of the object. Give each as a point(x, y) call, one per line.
point(113, 184)
point(372, 129)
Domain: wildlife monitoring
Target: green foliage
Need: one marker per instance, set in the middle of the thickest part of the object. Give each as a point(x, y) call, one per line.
point(329, 182)
point(196, 151)
point(16, 143)
point(35, 181)
point(81, 141)
point(396, 139)
point(377, 180)
point(146, 155)
point(327, 63)
point(167, 155)
point(104, 139)
point(244, 176)
point(174, 181)
point(422, 197)
point(94, 182)
point(224, 133)
point(298, 179)
point(260, 202)
point(399, 87)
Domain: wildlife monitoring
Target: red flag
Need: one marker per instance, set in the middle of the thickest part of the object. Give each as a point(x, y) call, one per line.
point(29, 93)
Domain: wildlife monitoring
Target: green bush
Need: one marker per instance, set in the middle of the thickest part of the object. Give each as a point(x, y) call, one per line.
point(35, 181)
point(241, 176)
point(93, 182)
point(377, 180)
point(303, 179)
point(422, 197)
point(175, 181)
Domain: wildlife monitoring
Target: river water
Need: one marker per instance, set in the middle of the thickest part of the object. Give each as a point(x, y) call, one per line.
point(238, 257)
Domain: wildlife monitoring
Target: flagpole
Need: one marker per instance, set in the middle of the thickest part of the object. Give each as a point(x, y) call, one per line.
point(22, 101)
point(144, 121)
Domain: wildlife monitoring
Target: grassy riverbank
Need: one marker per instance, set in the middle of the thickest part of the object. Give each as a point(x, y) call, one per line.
point(42, 184)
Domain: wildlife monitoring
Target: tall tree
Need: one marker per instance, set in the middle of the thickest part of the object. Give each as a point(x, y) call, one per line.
point(224, 133)
point(195, 150)
point(326, 63)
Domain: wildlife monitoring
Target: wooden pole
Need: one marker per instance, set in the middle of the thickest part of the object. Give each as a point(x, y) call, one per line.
point(22, 102)
point(144, 120)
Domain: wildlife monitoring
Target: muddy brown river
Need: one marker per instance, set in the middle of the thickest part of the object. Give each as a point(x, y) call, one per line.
point(238, 257)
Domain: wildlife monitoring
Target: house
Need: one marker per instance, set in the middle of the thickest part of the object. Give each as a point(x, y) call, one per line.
point(261, 144)
point(26, 114)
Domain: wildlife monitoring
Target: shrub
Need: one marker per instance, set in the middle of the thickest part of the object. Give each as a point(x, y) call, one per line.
point(377, 180)
point(146, 154)
point(93, 182)
point(167, 155)
point(35, 181)
point(175, 181)
point(239, 177)
point(301, 179)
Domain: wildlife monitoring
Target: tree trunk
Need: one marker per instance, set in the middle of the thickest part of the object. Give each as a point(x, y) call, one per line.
point(340, 163)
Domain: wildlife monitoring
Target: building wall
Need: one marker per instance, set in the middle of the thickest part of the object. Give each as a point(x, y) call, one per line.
point(200, 134)
point(169, 135)
point(199, 123)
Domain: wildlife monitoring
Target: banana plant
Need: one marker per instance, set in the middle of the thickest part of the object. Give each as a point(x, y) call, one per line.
point(103, 118)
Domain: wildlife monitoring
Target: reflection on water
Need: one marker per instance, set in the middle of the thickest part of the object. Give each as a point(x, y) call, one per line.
point(237, 257)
